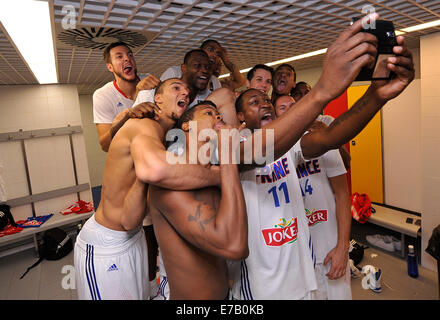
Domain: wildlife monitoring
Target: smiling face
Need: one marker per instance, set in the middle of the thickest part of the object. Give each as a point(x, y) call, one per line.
point(256, 109)
point(172, 97)
point(122, 63)
point(197, 71)
point(261, 80)
point(282, 104)
point(283, 80)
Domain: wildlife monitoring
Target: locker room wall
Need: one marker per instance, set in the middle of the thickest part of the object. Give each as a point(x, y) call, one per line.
point(49, 159)
point(430, 137)
point(95, 155)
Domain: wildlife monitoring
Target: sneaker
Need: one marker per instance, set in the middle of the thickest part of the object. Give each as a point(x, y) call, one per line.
point(381, 241)
point(397, 243)
point(73, 208)
point(85, 206)
point(354, 271)
point(374, 276)
point(78, 207)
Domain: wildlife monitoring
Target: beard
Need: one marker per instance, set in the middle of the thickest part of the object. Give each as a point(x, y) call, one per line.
point(121, 75)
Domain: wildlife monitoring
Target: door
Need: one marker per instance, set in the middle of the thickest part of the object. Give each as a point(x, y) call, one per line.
point(366, 153)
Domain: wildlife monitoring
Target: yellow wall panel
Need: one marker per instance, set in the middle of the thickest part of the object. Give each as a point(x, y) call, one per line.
point(366, 153)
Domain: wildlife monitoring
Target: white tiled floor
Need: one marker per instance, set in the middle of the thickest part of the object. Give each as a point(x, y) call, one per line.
point(44, 282)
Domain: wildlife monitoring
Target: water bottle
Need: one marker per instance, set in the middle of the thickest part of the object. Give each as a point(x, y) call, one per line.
point(411, 258)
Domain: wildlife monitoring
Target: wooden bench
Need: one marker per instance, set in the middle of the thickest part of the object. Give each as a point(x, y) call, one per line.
point(403, 222)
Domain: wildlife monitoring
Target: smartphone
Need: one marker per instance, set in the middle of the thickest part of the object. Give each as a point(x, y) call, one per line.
point(384, 32)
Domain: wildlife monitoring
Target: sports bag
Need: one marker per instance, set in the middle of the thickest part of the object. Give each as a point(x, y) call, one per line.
point(56, 244)
point(6, 216)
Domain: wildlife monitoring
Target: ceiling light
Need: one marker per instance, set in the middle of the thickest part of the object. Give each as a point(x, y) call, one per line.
point(322, 51)
point(422, 26)
point(28, 24)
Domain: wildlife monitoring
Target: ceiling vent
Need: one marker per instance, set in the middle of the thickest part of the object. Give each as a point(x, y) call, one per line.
point(99, 38)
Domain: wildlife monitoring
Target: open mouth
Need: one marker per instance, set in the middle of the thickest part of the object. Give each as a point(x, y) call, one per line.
point(128, 69)
point(281, 84)
point(266, 118)
point(203, 79)
point(182, 103)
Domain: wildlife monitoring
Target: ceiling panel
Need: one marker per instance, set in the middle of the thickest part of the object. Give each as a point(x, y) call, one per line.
point(161, 32)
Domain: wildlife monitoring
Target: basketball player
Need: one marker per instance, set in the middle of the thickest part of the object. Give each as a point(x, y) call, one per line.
point(198, 230)
point(327, 203)
point(113, 105)
point(324, 189)
point(260, 77)
point(281, 260)
point(110, 252)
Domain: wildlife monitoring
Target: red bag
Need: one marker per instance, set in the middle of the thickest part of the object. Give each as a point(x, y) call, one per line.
point(360, 207)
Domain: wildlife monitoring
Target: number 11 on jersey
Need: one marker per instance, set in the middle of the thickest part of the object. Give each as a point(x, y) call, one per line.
point(274, 192)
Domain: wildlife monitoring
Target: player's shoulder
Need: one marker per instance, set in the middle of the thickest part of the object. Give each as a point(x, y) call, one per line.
point(104, 90)
point(142, 128)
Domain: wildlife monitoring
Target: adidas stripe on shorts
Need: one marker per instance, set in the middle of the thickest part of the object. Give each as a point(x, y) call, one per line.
point(111, 265)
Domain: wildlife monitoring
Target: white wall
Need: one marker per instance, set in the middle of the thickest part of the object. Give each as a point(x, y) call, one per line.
point(401, 149)
point(95, 155)
point(49, 159)
point(430, 136)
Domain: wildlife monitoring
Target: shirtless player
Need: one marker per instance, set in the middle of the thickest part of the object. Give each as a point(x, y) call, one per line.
point(198, 230)
point(110, 251)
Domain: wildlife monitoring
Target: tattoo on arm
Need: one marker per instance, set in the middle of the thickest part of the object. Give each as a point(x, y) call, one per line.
point(197, 218)
point(346, 115)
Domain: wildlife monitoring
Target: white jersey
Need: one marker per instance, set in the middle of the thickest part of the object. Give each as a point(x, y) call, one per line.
point(280, 264)
point(108, 102)
point(318, 197)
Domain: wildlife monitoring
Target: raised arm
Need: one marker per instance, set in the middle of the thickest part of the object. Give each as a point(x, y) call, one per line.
point(236, 78)
point(339, 255)
point(349, 124)
point(344, 59)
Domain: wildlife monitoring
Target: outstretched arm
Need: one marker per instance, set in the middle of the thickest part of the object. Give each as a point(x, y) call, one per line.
point(350, 123)
point(339, 255)
point(344, 59)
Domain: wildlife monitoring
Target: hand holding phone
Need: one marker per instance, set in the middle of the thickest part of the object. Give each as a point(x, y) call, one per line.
point(384, 32)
